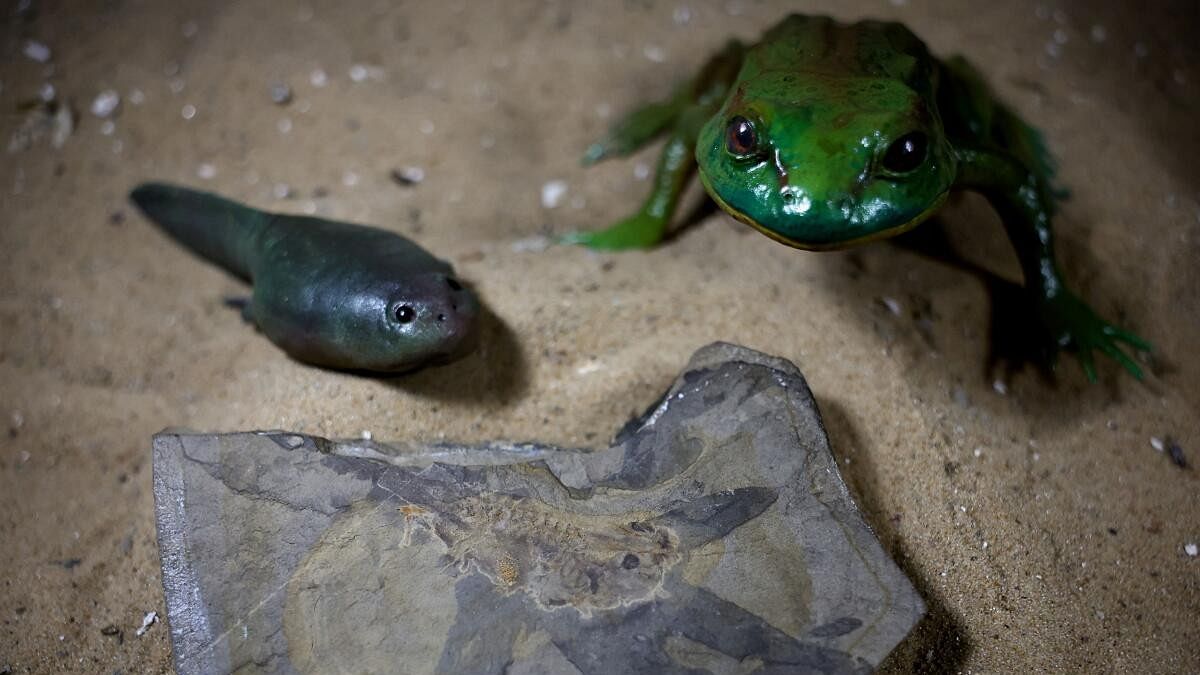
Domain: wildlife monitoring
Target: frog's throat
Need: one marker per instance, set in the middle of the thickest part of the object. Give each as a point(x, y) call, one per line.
point(832, 246)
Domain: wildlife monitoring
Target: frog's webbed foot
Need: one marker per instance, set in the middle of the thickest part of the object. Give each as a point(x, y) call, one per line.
point(1074, 326)
point(641, 230)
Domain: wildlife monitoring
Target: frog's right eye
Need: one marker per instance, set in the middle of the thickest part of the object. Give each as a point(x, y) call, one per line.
point(740, 138)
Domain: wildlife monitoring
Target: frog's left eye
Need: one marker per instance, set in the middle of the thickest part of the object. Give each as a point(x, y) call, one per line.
point(906, 153)
point(740, 137)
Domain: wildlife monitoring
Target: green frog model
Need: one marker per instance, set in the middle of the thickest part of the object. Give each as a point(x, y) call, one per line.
point(824, 135)
point(332, 294)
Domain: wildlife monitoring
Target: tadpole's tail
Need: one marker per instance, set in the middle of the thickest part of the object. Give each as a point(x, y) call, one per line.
point(216, 228)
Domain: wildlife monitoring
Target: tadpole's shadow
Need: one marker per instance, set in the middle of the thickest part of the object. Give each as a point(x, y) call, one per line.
point(940, 642)
point(493, 373)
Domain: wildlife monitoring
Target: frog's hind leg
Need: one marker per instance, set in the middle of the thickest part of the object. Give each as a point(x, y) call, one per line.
point(683, 115)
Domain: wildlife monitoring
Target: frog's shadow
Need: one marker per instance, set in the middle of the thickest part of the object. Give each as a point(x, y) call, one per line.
point(861, 276)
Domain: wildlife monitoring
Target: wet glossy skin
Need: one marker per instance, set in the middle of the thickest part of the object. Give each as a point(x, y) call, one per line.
point(824, 135)
point(331, 294)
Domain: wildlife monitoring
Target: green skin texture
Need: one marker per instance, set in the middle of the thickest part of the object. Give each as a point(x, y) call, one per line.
point(826, 101)
point(326, 292)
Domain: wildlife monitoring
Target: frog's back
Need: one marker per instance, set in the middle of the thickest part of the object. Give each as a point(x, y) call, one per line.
point(822, 47)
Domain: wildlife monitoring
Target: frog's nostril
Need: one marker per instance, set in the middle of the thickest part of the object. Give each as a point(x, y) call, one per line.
point(788, 197)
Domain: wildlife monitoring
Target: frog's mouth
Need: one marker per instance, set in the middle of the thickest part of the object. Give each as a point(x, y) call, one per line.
point(825, 246)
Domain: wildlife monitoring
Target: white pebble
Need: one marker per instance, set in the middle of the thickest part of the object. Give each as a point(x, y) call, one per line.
point(978, 452)
point(641, 171)
point(188, 111)
point(553, 193)
point(206, 171)
point(284, 125)
point(107, 127)
point(411, 174)
point(654, 53)
point(177, 85)
point(318, 78)
point(358, 72)
point(892, 304)
point(1156, 443)
point(106, 103)
point(349, 178)
point(1191, 549)
point(38, 51)
point(281, 190)
point(148, 620)
point(999, 387)
point(366, 435)
point(47, 92)
point(137, 97)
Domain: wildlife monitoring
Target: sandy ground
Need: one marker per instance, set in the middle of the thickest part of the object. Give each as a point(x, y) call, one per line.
point(1039, 523)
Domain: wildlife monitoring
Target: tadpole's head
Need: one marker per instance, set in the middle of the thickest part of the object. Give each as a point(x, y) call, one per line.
point(394, 325)
point(834, 162)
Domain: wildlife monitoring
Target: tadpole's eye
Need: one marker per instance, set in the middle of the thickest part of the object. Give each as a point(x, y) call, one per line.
point(404, 314)
point(740, 137)
point(906, 153)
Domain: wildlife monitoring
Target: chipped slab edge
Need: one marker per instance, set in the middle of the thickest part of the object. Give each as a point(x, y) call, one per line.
point(187, 618)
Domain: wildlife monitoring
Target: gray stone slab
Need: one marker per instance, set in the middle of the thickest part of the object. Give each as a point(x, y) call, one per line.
point(715, 535)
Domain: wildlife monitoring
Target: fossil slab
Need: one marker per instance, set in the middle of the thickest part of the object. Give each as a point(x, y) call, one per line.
point(715, 535)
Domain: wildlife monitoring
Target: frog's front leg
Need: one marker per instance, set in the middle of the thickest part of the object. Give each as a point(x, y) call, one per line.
point(1023, 203)
point(648, 225)
point(682, 115)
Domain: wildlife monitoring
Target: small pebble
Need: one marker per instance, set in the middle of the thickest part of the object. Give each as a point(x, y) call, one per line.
point(654, 53)
point(137, 97)
point(281, 93)
point(358, 73)
point(281, 190)
point(318, 78)
point(177, 85)
point(47, 92)
point(1191, 549)
point(106, 103)
point(408, 175)
point(1000, 387)
point(366, 435)
point(284, 125)
point(641, 171)
point(349, 178)
point(108, 127)
point(148, 620)
point(1157, 443)
point(891, 304)
point(37, 51)
point(206, 171)
point(188, 111)
point(553, 193)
